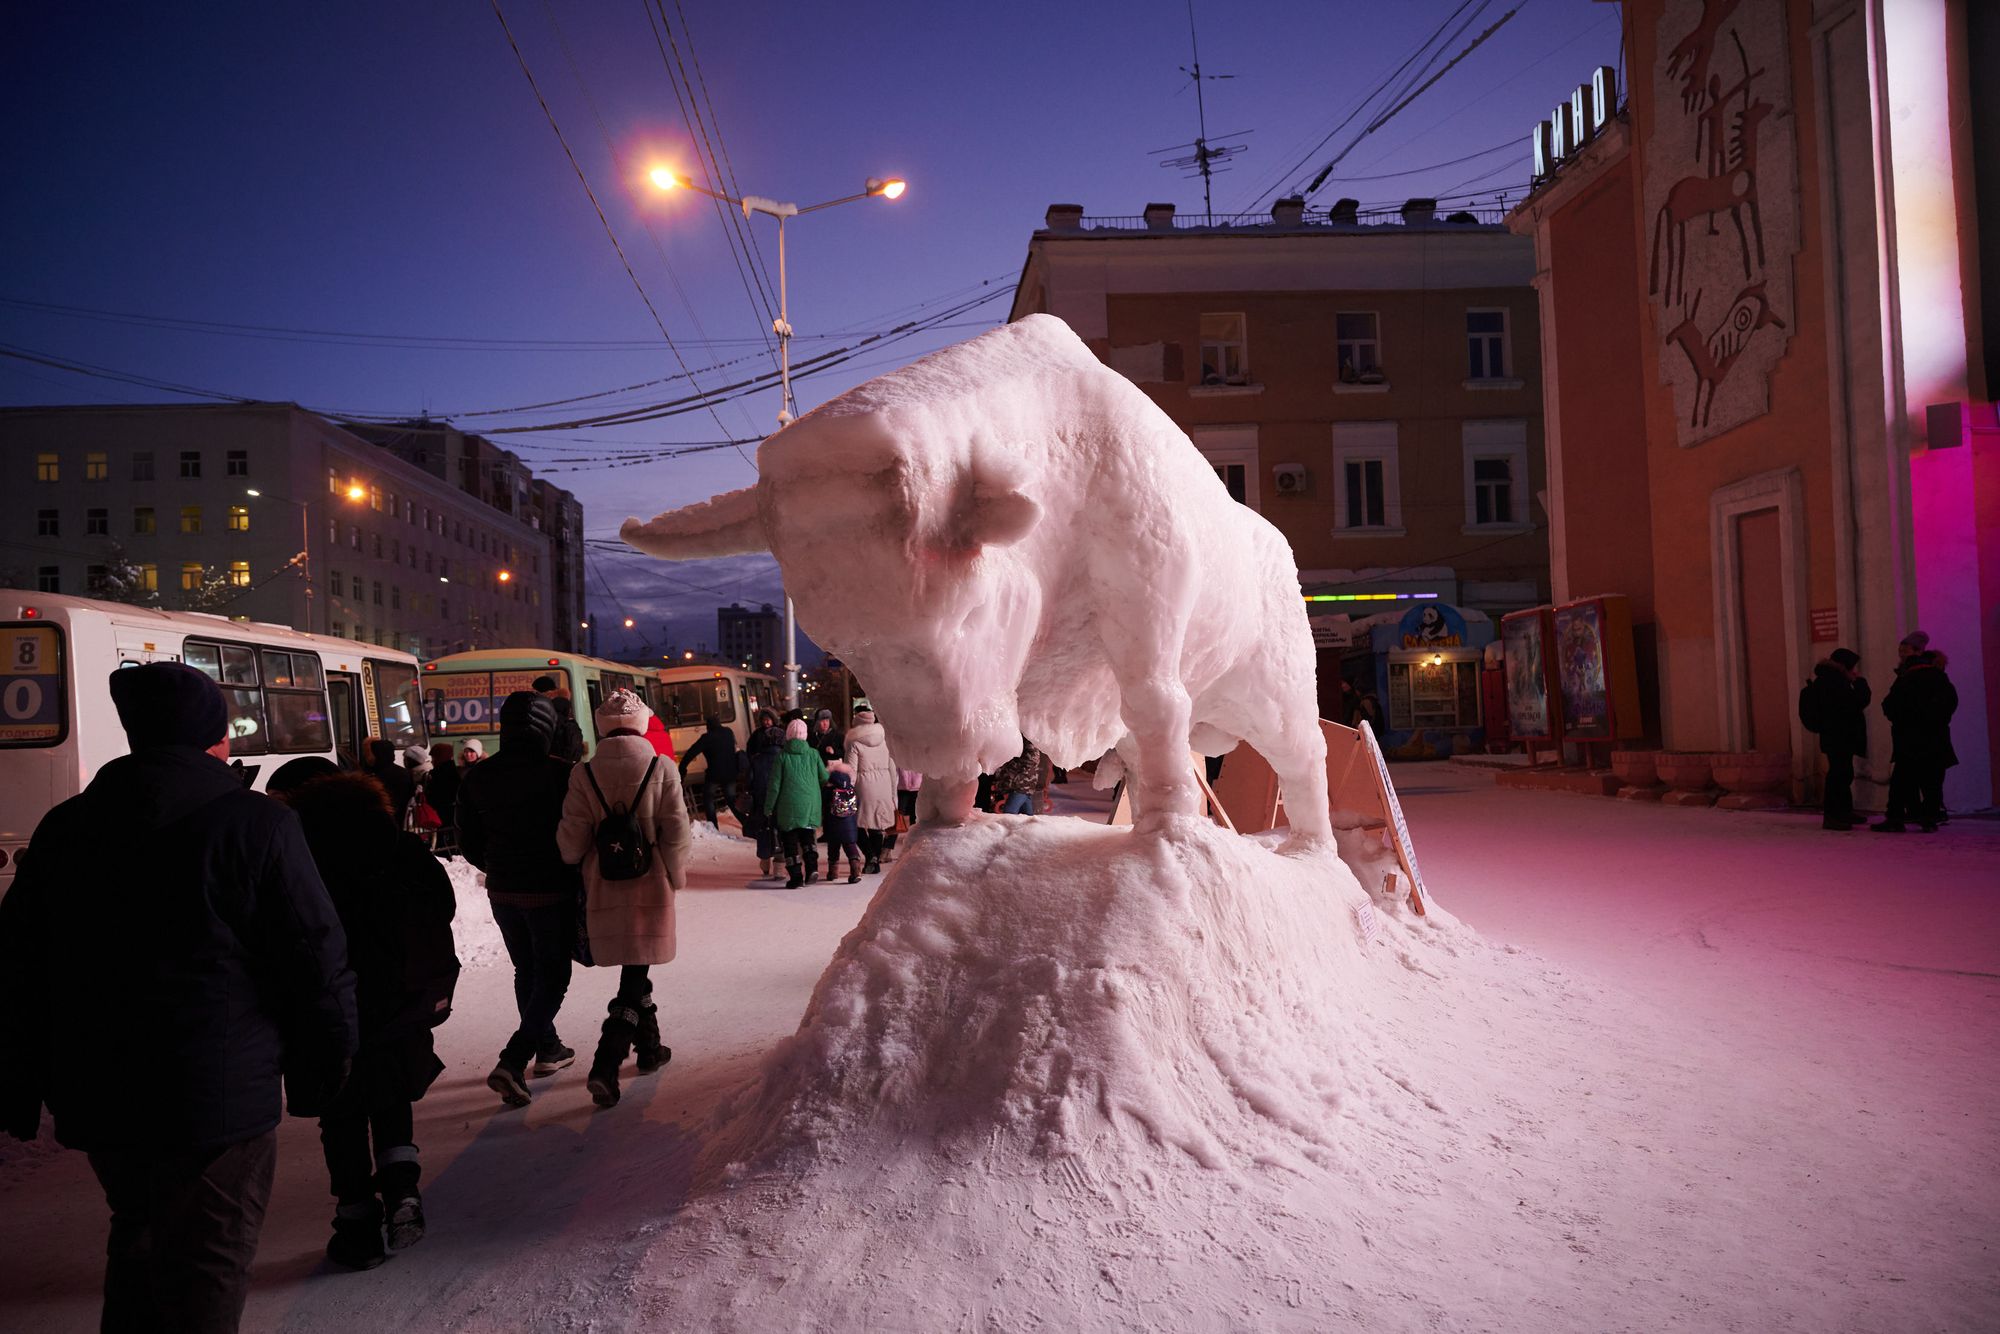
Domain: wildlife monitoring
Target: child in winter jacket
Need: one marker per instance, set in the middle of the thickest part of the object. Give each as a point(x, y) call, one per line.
point(843, 808)
point(792, 800)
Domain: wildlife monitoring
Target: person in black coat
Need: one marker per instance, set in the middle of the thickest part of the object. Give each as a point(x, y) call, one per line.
point(508, 809)
point(1919, 707)
point(396, 903)
point(830, 743)
point(762, 756)
point(567, 743)
point(717, 745)
point(1834, 704)
point(386, 764)
point(168, 894)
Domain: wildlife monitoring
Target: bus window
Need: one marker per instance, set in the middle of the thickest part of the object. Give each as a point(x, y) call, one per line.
point(341, 692)
point(239, 666)
point(721, 700)
point(619, 681)
point(32, 704)
point(277, 669)
point(203, 657)
point(596, 689)
point(295, 710)
point(396, 695)
point(235, 670)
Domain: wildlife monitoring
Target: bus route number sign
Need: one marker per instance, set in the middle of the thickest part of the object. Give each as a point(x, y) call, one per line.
point(30, 684)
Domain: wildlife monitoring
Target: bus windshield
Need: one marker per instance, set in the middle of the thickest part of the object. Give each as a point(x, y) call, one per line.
point(402, 708)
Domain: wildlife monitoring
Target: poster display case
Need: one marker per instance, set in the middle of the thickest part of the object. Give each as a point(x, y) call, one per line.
point(1597, 670)
point(1527, 639)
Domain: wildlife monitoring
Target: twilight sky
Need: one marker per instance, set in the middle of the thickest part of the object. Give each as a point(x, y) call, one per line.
point(385, 170)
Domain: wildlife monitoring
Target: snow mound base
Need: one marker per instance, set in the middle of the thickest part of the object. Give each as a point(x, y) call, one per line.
point(1074, 988)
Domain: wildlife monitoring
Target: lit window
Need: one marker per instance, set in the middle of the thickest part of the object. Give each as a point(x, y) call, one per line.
point(47, 469)
point(96, 467)
point(1225, 352)
point(48, 523)
point(238, 463)
point(374, 497)
point(191, 518)
point(190, 577)
point(239, 574)
point(1486, 344)
point(97, 523)
point(239, 519)
point(142, 466)
point(149, 578)
point(190, 463)
point(1357, 345)
point(142, 519)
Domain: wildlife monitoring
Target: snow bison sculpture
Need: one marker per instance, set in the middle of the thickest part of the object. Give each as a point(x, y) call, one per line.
point(1008, 538)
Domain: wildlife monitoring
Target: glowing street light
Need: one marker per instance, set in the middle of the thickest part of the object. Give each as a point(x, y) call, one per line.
point(665, 179)
point(505, 575)
point(357, 491)
point(629, 622)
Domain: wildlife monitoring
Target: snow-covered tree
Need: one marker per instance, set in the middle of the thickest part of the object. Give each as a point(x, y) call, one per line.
point(213, 592)
point(124, 581)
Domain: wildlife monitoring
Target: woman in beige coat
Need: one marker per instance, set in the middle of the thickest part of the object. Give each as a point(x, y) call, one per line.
point(874, 783)
point(629, 922)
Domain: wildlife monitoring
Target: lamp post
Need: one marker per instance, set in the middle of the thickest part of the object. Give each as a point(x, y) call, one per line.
point(304, 558)
point(875, 188)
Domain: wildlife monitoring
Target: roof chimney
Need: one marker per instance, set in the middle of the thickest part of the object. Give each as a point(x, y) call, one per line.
point(1344, 212)
point(1064, 218)
point(1160, 217)
point(1417, 212)
point(1289, 211)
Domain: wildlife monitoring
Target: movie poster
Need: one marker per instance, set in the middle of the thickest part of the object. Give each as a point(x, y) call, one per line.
point(1580, 669)
point(1527, 678)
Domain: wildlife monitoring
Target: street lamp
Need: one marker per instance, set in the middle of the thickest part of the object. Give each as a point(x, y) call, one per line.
point(874, 188)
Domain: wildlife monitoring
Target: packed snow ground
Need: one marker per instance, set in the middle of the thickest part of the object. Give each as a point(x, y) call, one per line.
point(1696, 1070)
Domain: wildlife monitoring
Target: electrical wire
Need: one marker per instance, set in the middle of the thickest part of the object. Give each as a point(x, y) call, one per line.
point(729, 167)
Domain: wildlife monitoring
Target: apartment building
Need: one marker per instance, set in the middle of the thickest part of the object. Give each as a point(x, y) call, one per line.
point(752, 637)
point(267, 512)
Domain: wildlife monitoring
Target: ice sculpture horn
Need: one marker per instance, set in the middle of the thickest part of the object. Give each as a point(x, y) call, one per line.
point(728, 525)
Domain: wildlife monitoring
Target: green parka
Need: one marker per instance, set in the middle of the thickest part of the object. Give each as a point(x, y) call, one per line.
point(792, 796)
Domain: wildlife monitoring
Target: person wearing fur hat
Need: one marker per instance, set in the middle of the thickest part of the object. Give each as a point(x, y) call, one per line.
point(792, 800)
point(1834, 705)
point(173, 978)
point(1919, 707)
point(874, 783)
point(629, 918)
point(396, 904)
point(508, 810)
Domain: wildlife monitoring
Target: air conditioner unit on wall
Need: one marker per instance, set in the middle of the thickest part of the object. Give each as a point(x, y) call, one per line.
point(1289, 479)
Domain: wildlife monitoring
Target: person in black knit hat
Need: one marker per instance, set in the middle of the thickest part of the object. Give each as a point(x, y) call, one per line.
point(1834, 705)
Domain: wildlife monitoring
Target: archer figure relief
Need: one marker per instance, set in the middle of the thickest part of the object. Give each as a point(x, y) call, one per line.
point(1725, 224)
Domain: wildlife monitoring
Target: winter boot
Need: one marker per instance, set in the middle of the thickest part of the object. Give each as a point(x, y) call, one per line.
point(510, 1080)
point(621, 1025)
point(853, 870)
point(873, 867)
point(402, 1206)
point(1890, 827)
point(797, 876)
point(651, 1052)
point(357, 1235)
point(812, 864)
point(763, 868)
point(552, 1058)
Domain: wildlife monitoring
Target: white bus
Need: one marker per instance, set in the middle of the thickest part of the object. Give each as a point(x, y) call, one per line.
point(289, 694)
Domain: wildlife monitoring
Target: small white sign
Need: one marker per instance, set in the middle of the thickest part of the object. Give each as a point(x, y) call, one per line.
point(1364, 917)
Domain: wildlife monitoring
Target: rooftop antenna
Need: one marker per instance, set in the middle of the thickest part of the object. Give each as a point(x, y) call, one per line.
point(1202, 161)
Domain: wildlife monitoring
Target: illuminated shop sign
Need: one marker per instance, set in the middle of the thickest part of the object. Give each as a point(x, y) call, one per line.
point(1577, 121)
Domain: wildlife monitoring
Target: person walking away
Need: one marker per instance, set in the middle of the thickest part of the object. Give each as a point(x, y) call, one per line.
point(509, 807)
point(843, 805)
point(874, 784)
point(1017, 781)
point(625, 824)
point(1919, 707)
point(387, 766)
point(716, 745)
point(215, 983)
point(1833, 704)
point(761, 755)
point(567, 744)
point(396, 904)
point(908, 783)
point(792, 801)
point(442, 790)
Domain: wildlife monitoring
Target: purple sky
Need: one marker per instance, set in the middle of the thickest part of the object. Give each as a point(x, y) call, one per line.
point(385, 169)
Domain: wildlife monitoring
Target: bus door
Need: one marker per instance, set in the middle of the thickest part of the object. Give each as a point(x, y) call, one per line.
point(343, 697)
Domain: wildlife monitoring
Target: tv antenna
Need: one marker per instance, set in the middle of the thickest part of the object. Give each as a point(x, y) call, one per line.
point(1201, 162)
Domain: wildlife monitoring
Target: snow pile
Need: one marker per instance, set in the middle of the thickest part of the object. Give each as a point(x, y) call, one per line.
point(1006, 538)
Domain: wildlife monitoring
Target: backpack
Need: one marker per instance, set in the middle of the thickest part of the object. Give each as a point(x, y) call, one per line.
point(1810, 717)
point(623, 850)
point(846, 801)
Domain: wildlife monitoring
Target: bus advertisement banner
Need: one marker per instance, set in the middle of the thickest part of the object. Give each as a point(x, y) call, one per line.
point(31, 694)
point(459, 703)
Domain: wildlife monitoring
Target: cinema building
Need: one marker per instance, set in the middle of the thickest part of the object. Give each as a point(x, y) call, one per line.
point(1770, 353)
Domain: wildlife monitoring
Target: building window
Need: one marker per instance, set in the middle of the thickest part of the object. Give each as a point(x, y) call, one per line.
point(333, 578)
point(396, 551)
point(239, 574)
point(359, 592)
point(48, 579)
point(374, 497)
point(333, 532)
point(97, 523)
point(239, 518)
point(1496, 474)
point(339, 629)
point(149, 578)
point(1225, 350)
point(96, 467)
point(1367, 478)
point(378, 592)
point(237, 463)
point(142, 466)
point(1232, 452)
point(93, 580)
point(444, 608)
point(395, 597)
point(48, 523)
point(1357, 345)
point(378, 546)
point(191, 518)
point(444, 567)
point(142, 520)
point(47, 469)
point(1433, 694)
point(190, 463)
point(1486, 344)
point(190, 577)
point(354, 536)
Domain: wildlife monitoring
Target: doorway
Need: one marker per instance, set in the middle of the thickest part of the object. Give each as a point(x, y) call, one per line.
point(1760, 594)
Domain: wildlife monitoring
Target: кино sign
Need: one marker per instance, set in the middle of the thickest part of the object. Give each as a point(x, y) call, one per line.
point(1577, 121)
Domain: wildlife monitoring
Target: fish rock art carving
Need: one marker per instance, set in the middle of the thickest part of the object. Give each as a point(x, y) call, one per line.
point(1007, 538)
